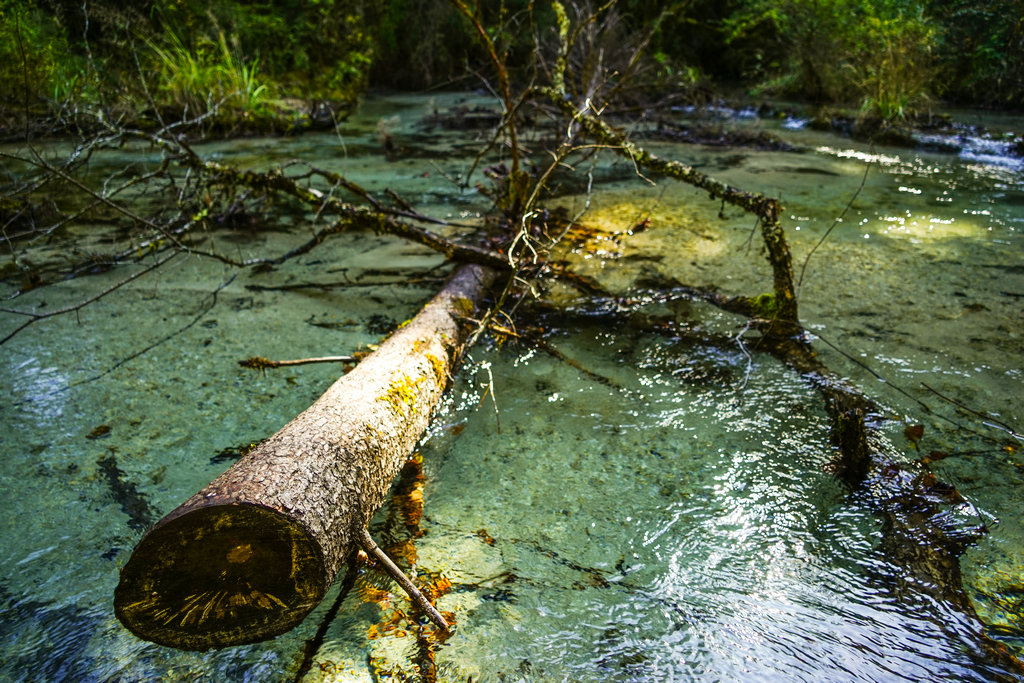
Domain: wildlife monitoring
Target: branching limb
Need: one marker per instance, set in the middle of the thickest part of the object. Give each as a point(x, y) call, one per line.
point(503, 81)
point(350, 217)
point(785, 321)
point(103, 198)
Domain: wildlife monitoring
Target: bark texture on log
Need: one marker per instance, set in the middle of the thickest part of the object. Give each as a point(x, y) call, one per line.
point(249, 556)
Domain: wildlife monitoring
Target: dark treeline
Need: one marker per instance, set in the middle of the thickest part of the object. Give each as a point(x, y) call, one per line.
point(255, 61)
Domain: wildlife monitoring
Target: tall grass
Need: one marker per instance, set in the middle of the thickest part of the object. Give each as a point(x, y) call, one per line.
point(212, 78)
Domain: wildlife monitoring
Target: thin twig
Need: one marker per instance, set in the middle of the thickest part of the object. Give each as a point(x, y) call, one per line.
point(44, 165)
point(261, 363)
point(836, 222)
point(127, 359)
point(924, 406)
point(494, 398)
point(408, 282)
point(985, 417)
point(374, 551)
point(503, 80)
point(314, 644)
point(743, 348)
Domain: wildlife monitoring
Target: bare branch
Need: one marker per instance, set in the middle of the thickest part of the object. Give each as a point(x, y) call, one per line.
point(36, 317)
point(261, 363)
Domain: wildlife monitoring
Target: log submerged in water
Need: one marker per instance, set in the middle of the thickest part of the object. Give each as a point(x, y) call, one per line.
point(250, 555)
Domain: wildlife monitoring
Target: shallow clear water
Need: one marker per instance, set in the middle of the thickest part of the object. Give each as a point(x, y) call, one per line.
point(676, 522)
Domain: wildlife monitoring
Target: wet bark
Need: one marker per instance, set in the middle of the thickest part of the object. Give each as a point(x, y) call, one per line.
point(920, 532)
point(249, 556)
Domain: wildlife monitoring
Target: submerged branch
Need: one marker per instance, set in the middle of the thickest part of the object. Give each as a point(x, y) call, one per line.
point(784, 319)
point(350, 217)
point(374, 551)
point(920, 529)
point(36, 317)
point(986, 418)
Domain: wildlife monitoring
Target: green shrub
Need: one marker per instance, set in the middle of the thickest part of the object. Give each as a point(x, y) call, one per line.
point(893, 67)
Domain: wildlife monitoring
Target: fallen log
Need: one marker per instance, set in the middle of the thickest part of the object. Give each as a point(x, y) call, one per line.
point(250, 555)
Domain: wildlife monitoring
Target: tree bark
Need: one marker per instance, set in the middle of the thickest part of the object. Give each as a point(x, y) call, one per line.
point(250, 555)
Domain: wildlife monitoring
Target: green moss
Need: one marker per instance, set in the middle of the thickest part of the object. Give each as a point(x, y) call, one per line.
point(764, 306)
point(401, 395)
point(464, 305)
point(438, 366)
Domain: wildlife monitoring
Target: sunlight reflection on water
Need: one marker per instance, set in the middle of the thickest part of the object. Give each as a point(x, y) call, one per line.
point(42, 387)
point(738, 572)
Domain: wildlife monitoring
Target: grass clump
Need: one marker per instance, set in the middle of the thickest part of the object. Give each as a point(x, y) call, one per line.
point(211, 79)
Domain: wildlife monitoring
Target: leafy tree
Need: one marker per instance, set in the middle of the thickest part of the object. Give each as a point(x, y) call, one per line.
point(64, 57)
point(878, 53)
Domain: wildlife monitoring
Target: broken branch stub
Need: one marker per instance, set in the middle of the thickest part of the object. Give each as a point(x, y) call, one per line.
point(250, 555)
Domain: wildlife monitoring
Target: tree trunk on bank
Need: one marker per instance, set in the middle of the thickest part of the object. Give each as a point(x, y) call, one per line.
point(249, 556)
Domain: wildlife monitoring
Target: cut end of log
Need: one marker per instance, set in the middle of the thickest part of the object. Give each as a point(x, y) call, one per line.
point(219, 576)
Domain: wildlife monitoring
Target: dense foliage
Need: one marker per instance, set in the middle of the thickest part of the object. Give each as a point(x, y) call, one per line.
point(253, 60)
point(247, 61)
